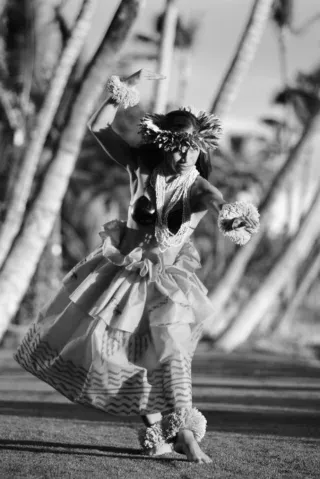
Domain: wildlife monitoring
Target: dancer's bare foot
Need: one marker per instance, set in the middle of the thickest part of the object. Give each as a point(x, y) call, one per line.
point(186, 444)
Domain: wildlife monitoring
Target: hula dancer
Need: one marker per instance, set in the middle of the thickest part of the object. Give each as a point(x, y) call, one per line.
point(121, 332)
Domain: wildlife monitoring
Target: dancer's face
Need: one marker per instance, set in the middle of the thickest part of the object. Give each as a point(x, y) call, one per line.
point(180, 161)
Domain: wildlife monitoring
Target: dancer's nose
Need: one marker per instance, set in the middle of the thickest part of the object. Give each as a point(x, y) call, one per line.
point(183, 154)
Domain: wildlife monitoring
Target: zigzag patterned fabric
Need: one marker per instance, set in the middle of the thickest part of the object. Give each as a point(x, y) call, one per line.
point(121, 332)
point(123, 391)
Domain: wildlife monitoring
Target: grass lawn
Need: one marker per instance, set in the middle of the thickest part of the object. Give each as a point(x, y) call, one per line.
point(263, 423)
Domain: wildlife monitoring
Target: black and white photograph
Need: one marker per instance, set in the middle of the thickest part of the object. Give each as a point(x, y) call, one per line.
point(159, 239)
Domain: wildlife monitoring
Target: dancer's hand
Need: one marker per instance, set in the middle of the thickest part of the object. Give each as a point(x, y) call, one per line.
point(142, 74)
point(247, 223)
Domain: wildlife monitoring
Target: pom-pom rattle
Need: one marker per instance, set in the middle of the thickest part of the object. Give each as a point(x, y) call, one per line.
point(120, 92)
point(238, 221)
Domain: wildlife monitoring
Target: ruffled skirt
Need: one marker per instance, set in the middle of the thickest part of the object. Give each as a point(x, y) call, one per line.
point(121, 332)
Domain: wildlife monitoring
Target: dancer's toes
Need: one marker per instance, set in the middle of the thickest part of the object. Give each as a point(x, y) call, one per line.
point(186, 444)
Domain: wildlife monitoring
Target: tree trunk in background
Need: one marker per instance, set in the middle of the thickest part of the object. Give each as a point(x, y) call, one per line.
point(184, 74)
point(309, 177)
point(12, 120)
point(3, 6)
point(23, 184)
point(296, 199)
point(253, 312)
point(14, 281)
point(296, 206)
point(308, 279)
point(48, 274)
point(246, 50)
point(49, 42)
point(44, 283)
point(165, 56)
point(238, 264)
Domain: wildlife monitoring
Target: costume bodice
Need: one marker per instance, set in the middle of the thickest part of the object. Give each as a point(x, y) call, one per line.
point(144, 213)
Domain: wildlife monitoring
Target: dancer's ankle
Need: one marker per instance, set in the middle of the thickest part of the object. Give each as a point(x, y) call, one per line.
point(151, 419)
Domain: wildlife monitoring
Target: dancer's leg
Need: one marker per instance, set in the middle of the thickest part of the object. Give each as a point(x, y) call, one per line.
point(172, 344)
point(150, 419)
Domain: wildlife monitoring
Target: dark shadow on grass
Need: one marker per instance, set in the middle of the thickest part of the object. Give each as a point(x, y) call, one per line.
point(61, 411)
point(79, 449)
point(267, 422)
point(300, 404)
point(269, 367)
point(259, 387)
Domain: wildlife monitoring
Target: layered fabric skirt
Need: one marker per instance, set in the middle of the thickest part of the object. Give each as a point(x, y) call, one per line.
point(121, 332)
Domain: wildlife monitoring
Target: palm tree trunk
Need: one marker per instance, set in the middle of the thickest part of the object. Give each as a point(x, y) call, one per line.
point(3, 6)
point(294, 201)
point(238, 264)
point(309, 278)
point(14, 280)
point(23, 183)
point(48, 275)
point(46, 281)
point(253, 312)
point(13, 116)
point(184, 74)
point(243, 57)
point(310, 178)
point(165, 56)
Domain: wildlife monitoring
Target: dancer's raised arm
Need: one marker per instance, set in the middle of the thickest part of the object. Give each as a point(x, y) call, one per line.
point(121, 91)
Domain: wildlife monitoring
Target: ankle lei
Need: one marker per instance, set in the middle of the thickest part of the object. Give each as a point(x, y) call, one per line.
point(166, 430)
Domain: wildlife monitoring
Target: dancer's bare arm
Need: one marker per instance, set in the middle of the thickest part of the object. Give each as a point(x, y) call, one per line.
point(209, 197)
point(100, 124)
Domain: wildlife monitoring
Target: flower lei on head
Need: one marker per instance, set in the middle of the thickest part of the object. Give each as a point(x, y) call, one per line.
point(152, 130)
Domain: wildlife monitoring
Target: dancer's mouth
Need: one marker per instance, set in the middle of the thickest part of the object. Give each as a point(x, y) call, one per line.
point(183, 167)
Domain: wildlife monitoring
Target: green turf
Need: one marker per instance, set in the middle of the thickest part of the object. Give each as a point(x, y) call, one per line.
point(59, 448)
point(263, 423)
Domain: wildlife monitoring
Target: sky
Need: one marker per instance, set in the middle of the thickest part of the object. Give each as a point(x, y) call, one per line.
point(221, 24)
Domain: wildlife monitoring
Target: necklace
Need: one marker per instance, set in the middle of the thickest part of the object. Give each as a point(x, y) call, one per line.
point(181, 187)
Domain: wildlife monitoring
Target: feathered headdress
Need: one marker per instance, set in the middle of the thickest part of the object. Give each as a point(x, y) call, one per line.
point(153, 129)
